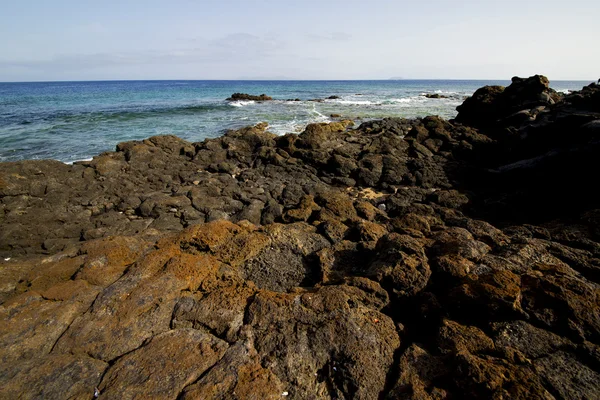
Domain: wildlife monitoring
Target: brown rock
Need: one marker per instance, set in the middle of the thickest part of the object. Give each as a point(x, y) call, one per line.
point(52, 377)
point(303, 212)
point(400, 265)
point(418, 370)
point(238, 374)
point(163, 367)
point(344, 358)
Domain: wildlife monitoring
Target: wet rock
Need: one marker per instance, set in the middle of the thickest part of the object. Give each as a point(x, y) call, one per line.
point(245, 96)
point(435, 96)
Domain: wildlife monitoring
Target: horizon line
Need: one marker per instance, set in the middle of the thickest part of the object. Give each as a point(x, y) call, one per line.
point(283, 80)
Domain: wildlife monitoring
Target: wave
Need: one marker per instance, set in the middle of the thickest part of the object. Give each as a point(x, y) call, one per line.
point(74, 161)
point(241, 103)
point(404, 100)
point(564, 91)
point(320, 117)
point(354, 102)
point(293, 126)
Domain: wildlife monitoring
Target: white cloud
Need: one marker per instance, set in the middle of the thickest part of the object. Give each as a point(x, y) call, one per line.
point(333, 36)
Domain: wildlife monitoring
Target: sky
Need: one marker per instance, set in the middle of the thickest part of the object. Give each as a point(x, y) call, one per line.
point(293, 39)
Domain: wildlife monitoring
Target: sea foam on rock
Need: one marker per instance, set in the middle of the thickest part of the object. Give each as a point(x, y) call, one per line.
point(409, 259)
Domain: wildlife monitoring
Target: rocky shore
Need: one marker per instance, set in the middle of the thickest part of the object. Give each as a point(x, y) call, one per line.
point(400, 259)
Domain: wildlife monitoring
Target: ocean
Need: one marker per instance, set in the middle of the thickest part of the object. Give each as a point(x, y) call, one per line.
point(69, 121)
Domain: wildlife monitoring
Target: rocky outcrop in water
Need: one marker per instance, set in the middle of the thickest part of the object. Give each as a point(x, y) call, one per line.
point(435, 96)
point(400, 259)
point(245, 96)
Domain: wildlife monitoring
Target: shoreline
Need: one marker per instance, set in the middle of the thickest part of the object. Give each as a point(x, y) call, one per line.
point(74, 126)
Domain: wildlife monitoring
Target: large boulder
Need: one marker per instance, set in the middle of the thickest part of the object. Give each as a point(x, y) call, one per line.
point(492, 105)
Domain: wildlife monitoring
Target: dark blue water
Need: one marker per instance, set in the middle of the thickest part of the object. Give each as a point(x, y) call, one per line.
point(70, 121)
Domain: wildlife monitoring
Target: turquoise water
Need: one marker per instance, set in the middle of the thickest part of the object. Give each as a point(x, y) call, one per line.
point(70, 121)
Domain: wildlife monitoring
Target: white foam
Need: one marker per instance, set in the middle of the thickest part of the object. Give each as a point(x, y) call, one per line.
point(288, 127)
point(564, 91)
point(320, 117)
point(74, 161)
point(354, 102)
point(241, 103)
point(407, 100)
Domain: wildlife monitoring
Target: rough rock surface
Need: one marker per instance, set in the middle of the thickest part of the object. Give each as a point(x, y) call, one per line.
point(402, 259)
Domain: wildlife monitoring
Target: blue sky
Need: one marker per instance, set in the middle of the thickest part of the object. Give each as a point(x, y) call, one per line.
point(289, 39)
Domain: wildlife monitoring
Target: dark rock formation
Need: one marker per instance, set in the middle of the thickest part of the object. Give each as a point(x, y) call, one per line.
point(244, 96)
point(402, 259)
point(517, 103)
point(435, 96)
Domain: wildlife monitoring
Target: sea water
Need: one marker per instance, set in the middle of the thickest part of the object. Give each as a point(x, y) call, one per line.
point(70, 121)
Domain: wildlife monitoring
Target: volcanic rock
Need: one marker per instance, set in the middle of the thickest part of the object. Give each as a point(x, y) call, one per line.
point(411, 259)
point(491, 104)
